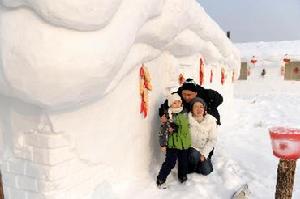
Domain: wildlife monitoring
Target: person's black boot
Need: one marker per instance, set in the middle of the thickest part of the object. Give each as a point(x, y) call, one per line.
point(161, 184)
point(182, 179)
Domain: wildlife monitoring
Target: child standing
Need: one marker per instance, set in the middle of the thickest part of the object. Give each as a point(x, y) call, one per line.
point(175, 139)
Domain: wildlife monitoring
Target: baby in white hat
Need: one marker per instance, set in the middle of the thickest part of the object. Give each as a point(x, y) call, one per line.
point(175, 105)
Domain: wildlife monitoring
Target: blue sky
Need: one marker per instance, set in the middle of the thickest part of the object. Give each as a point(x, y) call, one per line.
point(256, 20)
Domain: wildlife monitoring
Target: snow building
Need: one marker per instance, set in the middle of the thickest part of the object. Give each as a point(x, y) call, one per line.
point(70, 121)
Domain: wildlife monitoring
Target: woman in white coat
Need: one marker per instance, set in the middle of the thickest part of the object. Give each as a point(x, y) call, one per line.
point(203, 128)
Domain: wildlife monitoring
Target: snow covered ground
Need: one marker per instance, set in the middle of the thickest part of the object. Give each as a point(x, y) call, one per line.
point(268, 103)
point(243, 153)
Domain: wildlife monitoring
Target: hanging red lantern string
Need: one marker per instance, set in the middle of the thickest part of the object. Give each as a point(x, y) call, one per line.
point(222, 76)
point(201, 77)
point(181, 79)
point(211, 76)
point(145, 87)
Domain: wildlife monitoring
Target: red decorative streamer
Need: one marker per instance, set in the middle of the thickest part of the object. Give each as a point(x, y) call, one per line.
point(222, 76)
point(145, 86)
point(181, 79)
point(201, 77)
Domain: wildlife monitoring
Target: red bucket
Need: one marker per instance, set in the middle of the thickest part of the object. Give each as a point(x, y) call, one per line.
point(285, 142)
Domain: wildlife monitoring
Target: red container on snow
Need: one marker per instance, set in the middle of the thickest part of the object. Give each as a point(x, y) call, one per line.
point(285, 142)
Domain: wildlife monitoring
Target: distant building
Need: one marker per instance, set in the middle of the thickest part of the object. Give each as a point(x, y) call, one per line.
point(243, 71)
point(292, 71)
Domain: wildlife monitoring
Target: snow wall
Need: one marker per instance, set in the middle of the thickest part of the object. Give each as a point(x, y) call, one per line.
point(69, 88)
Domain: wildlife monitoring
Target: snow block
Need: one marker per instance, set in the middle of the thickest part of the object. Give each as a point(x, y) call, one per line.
point(9, 179)
point(51, 157)
point(16, 194)
point(46, 172)
point(26, 183)
point(24, 153)
point(16, 166)
point(46, 140)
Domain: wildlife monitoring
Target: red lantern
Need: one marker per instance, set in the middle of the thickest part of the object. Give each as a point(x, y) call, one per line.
point(286, 59)
point(296, 70)
point(211, 76)
point(285, 142)
point(201, 77)
point(253, 60)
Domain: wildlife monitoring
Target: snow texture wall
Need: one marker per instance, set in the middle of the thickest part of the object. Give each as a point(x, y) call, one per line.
point(69, 80)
